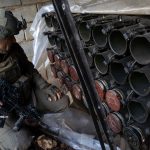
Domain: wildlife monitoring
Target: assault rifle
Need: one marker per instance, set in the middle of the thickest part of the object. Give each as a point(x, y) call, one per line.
point(11, 99)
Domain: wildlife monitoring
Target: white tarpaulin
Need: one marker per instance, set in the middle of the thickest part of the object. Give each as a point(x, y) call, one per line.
point(141, 7)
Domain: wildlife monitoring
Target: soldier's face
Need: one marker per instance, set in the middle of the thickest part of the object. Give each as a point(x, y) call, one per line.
point(6, 43)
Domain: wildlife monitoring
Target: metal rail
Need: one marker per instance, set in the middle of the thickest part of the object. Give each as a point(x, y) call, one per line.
point(77, 53)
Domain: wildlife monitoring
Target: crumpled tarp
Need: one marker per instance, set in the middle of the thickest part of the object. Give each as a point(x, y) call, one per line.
point(138, 7)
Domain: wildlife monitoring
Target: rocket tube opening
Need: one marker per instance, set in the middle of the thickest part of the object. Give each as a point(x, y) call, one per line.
point(139, 83)
point(51, 40)
point(84, 31)
point(117, 42)
point(118, 73)
point(137, 111)
point(55, 23)
point(99, 37)
point(101, 64)
point(140, 50)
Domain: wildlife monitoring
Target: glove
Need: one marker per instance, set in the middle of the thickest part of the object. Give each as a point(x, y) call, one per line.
point(53, 93)
point(50, 99)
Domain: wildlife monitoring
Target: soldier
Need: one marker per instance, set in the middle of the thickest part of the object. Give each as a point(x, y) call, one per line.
point(15, 68)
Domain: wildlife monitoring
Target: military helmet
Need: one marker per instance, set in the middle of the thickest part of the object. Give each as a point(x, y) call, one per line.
point(9, 24)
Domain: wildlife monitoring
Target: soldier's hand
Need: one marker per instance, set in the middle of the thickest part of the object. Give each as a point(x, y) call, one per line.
point(53, 93)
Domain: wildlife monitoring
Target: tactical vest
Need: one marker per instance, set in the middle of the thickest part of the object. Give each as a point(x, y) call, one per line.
point(11, 71)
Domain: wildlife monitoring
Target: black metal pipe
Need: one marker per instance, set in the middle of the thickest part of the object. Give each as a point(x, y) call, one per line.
point(99, 37)
point(102, 60)
point(51, 37)
point(119, 38)
point(139, 81)
point(137, 134)
point(91, 49)
point(101, 30)
point(140, 48)
point(57, 40)
point(120, 69)
point(48, 19)
point(75, 47)
point(58, 43)
point(84, 31)
point(139, 108)
point(85, 27)
point(117, 42)
point(64, 46)
point(134, 136)
point(55, 23)
point(84, 24)
point(95, 73)
point(89, 56)
point(51, 40)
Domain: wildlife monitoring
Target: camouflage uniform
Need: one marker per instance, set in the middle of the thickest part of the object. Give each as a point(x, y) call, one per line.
point(13, 65)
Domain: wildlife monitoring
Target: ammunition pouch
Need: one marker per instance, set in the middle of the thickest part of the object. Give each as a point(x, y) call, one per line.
point(24, 84)
point(10, 70)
